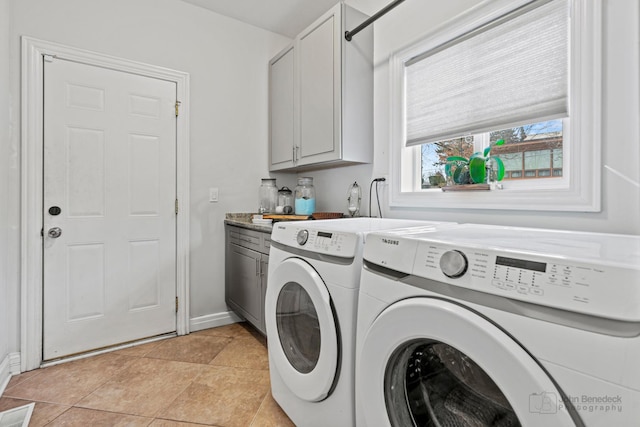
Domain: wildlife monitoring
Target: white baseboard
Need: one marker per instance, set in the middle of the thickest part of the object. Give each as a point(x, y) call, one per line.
point(9, 366)
point(14, 363)
point(213, 320)
point(5, 373)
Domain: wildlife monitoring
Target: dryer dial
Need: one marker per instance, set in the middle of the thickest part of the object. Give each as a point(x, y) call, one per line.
point(454, 264)
point(302, 237)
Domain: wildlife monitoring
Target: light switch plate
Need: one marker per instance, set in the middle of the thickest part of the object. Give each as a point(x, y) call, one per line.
point(213, 195)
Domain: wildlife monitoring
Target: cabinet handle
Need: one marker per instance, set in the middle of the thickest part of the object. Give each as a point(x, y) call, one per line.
point(295, 153)
point(257, 267)
point(263, 267)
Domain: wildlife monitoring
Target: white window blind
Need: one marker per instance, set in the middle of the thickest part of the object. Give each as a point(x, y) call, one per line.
point(510, 71)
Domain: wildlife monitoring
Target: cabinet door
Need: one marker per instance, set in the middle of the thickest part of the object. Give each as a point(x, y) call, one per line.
point(264, 270)
point(319, 61)
point(245, 286)
point(281, 110)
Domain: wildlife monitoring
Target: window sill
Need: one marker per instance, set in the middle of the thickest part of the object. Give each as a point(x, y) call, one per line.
point(467, 187)
point(547, 199)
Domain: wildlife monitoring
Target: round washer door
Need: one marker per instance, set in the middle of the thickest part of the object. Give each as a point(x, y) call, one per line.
point(429, 362)
point(302, 332)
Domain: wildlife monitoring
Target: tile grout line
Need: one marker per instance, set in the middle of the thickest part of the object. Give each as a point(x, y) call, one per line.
point(121, 369)
point(264, 399)
point(155, 415)
point(59, 415)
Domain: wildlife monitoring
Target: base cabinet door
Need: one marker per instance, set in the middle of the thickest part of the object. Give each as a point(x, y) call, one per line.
point(263, 281)
point(245, 290)
point(246, 267)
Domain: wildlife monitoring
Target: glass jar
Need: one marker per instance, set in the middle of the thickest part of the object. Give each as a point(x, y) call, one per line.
point(305, 195)
point(285, 201)
point(268, 196)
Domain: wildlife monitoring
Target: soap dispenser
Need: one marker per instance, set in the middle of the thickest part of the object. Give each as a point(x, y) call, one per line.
point(354, 196)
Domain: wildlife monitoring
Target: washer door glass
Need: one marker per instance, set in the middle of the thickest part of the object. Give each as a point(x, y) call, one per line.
point(429, 383)
point(298, 327)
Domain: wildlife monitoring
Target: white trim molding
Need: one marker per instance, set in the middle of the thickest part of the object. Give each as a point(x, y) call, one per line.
point(214, 320)
point(14, 363)
point(9, 366)
point(32, 191)
point(5, 373)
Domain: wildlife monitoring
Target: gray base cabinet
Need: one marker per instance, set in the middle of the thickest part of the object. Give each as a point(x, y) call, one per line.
point(246, 266)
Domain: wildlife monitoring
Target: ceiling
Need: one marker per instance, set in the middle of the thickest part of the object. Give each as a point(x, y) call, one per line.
point(286, 17)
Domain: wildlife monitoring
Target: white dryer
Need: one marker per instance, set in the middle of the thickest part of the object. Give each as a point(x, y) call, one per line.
point(499, 326)
point(310, 315)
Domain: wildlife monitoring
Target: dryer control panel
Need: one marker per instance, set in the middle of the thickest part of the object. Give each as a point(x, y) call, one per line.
point(335, 243)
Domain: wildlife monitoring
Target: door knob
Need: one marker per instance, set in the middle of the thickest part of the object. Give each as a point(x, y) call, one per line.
point(54, 232)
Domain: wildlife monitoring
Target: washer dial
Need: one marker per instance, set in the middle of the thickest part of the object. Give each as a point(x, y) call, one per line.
point(454, 264)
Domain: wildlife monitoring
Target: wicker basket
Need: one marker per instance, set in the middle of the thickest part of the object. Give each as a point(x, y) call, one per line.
point(326, 215)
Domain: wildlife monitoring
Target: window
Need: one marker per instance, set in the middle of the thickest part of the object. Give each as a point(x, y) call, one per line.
point(527, 72)
point(529, 151)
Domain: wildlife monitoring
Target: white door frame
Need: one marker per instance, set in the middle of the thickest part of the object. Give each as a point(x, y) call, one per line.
point(32, 183)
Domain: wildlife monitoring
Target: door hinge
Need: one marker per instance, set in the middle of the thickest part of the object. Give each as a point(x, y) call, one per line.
point(176, 304)
point(48, 58)
point(176, 206)
point(177, 108)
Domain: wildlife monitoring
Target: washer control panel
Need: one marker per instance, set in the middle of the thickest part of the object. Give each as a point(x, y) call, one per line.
point(607, 291)
point(336, 243)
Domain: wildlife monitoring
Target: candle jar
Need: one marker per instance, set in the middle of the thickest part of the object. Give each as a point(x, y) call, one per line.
point(285, 201)
point(268, 194)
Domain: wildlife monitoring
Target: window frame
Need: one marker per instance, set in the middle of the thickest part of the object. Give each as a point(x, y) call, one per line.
point(580, 187)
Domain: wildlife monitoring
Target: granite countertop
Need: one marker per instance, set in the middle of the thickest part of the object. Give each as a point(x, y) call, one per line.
point(244, 220)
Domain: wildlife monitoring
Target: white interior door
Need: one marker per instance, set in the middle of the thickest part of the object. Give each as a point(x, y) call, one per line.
point(109, 190)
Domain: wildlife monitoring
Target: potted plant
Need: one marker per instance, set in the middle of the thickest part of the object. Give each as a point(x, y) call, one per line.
point(477, 169)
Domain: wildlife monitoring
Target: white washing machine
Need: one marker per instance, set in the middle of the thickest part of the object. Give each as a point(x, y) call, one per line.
point(310, 315)
point(497, 326)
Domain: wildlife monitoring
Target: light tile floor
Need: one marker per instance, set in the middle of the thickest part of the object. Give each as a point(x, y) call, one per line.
point(217, 377)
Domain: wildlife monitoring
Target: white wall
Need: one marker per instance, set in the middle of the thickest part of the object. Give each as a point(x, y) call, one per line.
point(620, 134)
point(227, 61)
point(5, 159)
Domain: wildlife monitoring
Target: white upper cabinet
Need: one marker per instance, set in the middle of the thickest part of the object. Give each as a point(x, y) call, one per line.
point(281, 109)
point(319, 88)
point(321, 96)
